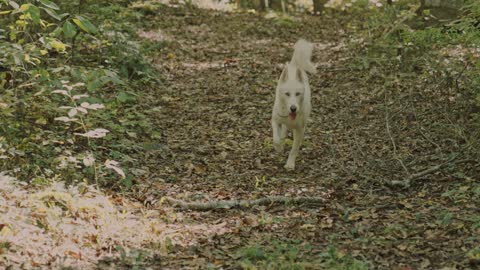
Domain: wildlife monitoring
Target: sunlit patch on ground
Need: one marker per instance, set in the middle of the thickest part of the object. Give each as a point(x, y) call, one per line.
point(154, 35)
point(221, 5)
point(54, 226)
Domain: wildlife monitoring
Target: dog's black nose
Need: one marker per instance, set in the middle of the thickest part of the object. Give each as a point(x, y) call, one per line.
point(293, 108)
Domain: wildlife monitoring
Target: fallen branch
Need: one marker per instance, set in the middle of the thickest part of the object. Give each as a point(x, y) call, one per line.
point(391, 136)
point(333, 69)
point(415, 176)
point(212, 205)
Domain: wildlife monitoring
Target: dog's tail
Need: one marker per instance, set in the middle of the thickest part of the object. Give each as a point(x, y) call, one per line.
point(302, 54)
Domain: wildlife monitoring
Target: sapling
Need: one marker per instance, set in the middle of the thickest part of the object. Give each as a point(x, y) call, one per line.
point(78, 112)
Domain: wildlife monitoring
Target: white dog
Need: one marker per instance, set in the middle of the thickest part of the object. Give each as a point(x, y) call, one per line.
point(292, 101)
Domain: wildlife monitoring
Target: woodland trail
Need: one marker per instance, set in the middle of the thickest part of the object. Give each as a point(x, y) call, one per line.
point(213, 106)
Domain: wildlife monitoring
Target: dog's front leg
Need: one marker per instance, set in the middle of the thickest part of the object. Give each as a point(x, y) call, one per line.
point(277, 140)
point(283, 133)
point(297, 142)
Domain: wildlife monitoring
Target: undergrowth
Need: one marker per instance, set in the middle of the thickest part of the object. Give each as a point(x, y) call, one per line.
point(68, 71)
point(403, 43)
point(399, 40)
point(298, 256)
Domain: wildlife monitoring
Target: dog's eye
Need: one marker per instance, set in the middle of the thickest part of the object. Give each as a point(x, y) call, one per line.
point(288, 94)
point(297, 94)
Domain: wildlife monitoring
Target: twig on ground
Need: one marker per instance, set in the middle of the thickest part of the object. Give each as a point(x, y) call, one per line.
point(415, 176)
point(457, 85)
point(391, 137)
point(333, 69)
point(212, 205)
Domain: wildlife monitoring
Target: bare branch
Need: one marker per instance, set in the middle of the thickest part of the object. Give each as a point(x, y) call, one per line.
point(212, 205)
point(415, 176)
point(387, 124)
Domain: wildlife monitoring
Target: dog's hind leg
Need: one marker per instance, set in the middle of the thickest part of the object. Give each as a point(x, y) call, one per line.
point(277, 137)
point(297, 142)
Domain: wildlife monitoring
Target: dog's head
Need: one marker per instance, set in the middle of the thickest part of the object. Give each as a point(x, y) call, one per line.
point(291, 90)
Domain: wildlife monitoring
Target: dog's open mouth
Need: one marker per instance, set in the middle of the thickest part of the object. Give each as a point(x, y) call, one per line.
point(292, 115)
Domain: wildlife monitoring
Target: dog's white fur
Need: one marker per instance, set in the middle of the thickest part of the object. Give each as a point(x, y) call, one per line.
point(293, 92)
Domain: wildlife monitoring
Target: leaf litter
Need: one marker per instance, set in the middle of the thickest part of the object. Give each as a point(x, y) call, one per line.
point(212, 111)
point(54, 226)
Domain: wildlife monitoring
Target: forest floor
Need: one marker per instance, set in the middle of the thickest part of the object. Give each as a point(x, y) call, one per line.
point(368, 132)
point(219, 74)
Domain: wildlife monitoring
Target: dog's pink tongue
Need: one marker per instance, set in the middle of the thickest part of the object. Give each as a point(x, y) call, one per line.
point(292, 115)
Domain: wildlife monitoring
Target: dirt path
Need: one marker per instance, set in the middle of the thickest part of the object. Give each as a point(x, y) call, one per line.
point(217, 105)
point(213, 109)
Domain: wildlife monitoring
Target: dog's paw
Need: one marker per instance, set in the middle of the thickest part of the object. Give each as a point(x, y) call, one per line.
point(289, 166)
point(278, 147)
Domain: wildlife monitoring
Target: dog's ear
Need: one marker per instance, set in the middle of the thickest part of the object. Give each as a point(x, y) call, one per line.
point(299, 75)
point(284, 76)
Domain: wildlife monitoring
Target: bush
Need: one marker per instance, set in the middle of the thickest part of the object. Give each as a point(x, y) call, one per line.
point(60, 78)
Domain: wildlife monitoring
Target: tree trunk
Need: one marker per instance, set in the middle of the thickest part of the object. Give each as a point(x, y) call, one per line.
point(421, 8)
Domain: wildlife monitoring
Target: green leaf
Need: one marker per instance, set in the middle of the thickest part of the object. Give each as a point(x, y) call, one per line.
point(57, 32)
point(127, 181)
point(57, 45)
point(124, 97)
point(34, 12)
point(113, 77)
point(69, 30)
point(17, 60)
point(85, 24)
point(49, 4)
point(94, 85)
point(24, 7)
point(52, 13)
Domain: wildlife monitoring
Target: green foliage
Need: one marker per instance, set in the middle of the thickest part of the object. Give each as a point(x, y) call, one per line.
point(5, 245)
point(399, 41)
point(474, 255)
point(334, 260)
point(85, 24)
point(461, 193)
point(277, 256)
point(54, 59)
point(133, 259)
point(294, 255)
